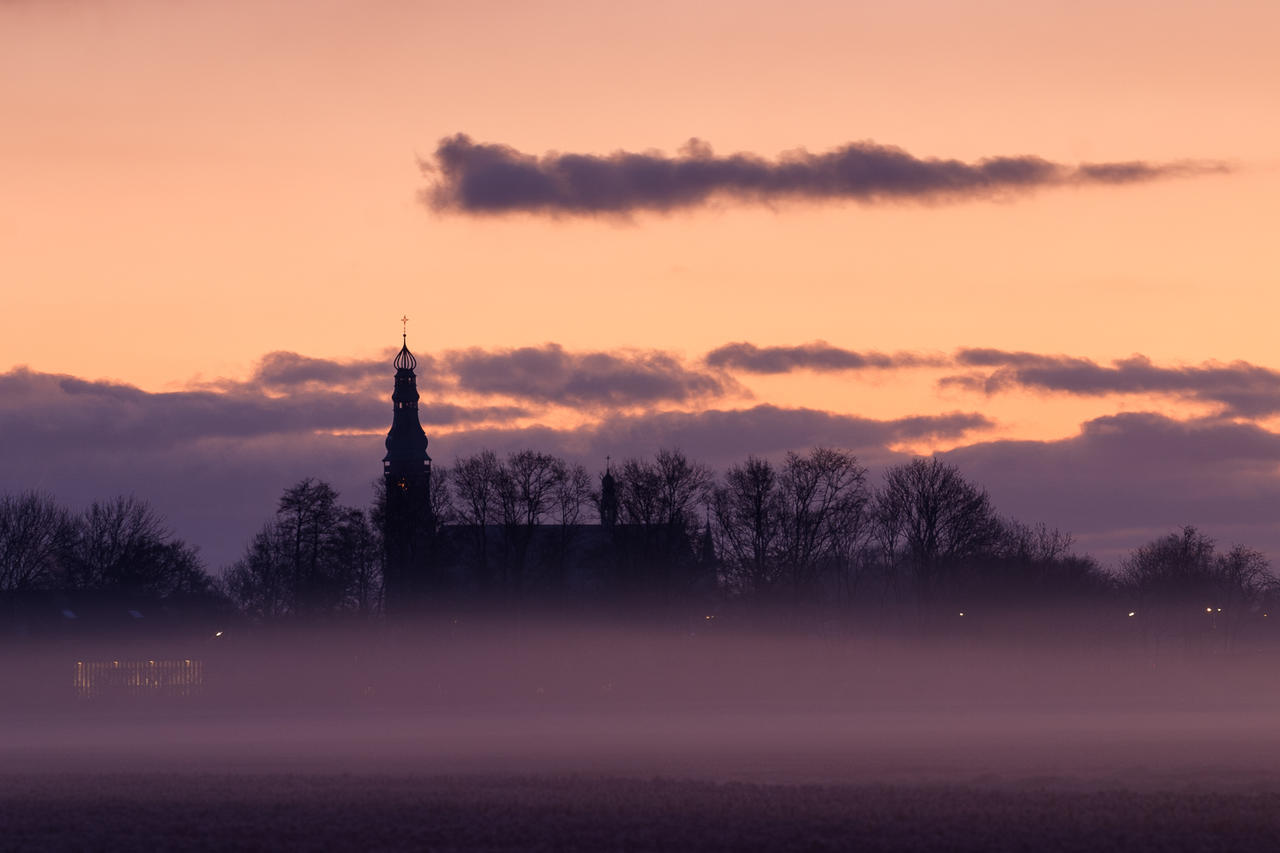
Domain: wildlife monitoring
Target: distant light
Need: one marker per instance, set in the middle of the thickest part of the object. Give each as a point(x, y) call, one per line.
point(1133, 613)
point(710, 617)
point(219, 634)
point(961, 612)
point(1219, 609)
point(1208, 610)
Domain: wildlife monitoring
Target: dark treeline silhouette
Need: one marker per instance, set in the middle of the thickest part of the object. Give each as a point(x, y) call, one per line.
point(809, 542)
point(100, 569)
point(117, 547)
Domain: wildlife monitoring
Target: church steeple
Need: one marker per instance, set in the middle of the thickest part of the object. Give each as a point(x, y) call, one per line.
point(406, 441)
point(409, 525)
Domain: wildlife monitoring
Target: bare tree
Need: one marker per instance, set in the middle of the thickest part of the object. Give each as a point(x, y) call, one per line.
point(261, 581)
point(315, 558)
point(1033, 543)
point(442, 509)
point(1178, 568)
point(309, 514)
point(1184, 586)
point(748, 510)
point(572, 495)
point(34, 533)
point(639, 493)
point(357, 554)
point(683, 486)
point(658, 503)
point(824, 499)
point(934, 522)
point(122, 545)
point(475, 483)
point(528, 484)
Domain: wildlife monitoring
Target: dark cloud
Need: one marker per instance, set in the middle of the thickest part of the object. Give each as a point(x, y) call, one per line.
point(481, 178)
point(818, 356)
point(549, 374)
point(723, 437)
point(1239, 389)
point(287, 370)
point(1127, 478)
point(54, 410)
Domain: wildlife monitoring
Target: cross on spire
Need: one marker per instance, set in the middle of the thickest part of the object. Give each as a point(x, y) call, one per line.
point(404, 327)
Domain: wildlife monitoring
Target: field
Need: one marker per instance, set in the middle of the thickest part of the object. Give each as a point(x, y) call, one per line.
point(352, 811)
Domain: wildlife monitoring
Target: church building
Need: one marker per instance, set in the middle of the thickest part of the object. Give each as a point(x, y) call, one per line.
point(426, 562)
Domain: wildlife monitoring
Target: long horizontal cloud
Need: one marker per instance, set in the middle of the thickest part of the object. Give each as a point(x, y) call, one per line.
point(1238, 388)
point(723, 437)
point(58, 411)
point(484, 178)
point(550, 374)
point(545, 375)
point(283, 371)
point(817, 356)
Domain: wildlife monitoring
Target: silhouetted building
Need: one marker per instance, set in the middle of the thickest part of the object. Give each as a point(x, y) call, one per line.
point(408, 524)
point(426, 562)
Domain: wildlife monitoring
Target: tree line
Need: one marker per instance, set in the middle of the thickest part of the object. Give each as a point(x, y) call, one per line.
point(808, 531)
point(114, 547)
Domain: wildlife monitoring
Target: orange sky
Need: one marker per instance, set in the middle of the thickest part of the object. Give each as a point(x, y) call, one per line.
point(188, 186)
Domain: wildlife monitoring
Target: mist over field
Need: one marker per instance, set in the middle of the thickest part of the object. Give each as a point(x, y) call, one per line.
point(529, 696)
point(513, 726)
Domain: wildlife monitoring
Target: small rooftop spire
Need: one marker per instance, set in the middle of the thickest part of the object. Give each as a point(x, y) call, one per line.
point(404, 359)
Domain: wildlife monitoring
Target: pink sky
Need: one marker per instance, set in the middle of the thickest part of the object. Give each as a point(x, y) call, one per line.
point(190, 186)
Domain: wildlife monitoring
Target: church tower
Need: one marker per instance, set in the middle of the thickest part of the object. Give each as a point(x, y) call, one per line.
point(408, 526)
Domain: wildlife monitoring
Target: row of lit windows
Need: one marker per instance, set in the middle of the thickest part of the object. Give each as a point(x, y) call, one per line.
point(171, 677)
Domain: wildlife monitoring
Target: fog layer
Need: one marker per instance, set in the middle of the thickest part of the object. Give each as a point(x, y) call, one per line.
point(523, 696)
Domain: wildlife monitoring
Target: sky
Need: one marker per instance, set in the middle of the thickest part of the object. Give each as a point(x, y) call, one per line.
point(1037, 238)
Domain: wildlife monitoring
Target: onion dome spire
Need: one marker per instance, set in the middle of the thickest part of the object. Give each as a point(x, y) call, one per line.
point(406, 441)
point(404, 359)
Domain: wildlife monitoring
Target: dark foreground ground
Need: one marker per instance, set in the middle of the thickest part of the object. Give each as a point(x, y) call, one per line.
point(162, 811)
